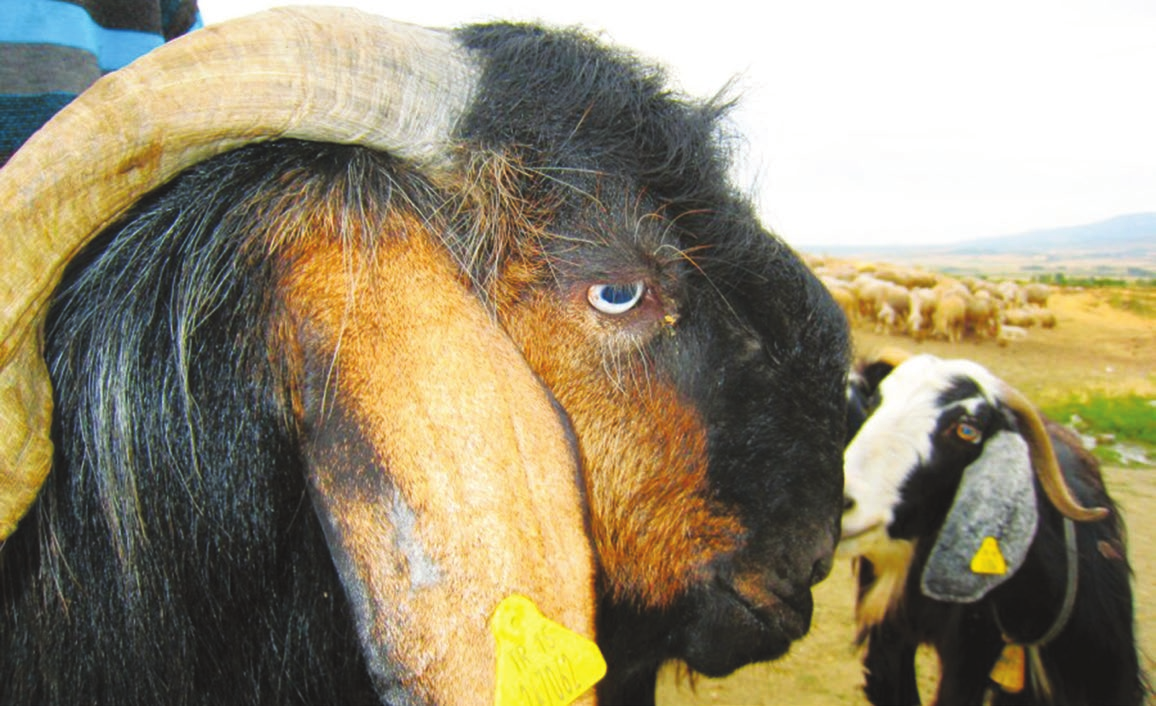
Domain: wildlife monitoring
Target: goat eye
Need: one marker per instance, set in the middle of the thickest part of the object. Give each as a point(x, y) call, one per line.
point(968, 432)
point(615, 298)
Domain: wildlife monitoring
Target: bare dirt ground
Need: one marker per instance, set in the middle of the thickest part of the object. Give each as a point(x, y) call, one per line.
point(1095, 346)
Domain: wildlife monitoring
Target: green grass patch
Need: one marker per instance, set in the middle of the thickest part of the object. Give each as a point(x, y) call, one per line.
point(1141, 302)
point(1137, 278)
point(1123, 426)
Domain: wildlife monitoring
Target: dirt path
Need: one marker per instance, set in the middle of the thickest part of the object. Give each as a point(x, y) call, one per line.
point(1094, 346)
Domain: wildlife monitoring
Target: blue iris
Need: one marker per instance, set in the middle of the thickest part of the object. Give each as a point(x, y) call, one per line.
point(615, 298)
point(619, 293)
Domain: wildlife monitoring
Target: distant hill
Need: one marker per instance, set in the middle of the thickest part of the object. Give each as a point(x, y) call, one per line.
point(1120, 246)
point(1122, 234)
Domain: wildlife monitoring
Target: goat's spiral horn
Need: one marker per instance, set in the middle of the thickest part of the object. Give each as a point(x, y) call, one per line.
point(323, 74)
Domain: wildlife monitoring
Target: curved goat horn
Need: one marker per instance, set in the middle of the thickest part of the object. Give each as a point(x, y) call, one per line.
point(1044, 460)
point(319, 74)
point(892, 356)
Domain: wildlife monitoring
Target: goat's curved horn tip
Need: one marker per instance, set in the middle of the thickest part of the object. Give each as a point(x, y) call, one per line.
point(1044, 461)
point(892, 356)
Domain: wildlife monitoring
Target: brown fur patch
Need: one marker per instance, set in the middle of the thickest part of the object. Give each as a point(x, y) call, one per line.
point(643, 448)
point(1111, 549)
point(643, 451)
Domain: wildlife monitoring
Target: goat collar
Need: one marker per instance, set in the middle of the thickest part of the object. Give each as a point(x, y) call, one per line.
point(1040, 682)
point(1069, 594)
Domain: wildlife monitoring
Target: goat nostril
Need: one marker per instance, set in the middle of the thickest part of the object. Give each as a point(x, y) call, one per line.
point(821, 569)
point(848, 504)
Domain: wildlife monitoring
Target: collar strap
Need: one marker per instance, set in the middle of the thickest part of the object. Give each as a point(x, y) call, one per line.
point(1040, 682)
point(1065, 613)
point(1069, 591)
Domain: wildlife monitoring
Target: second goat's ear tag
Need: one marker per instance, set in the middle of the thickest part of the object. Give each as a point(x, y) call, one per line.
point(539, 661)
point(989, 559)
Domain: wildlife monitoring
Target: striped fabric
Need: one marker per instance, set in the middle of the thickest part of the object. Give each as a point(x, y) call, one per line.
point(51, 50)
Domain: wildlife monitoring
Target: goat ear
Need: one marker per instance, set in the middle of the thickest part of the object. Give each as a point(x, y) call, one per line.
point(990, 526)
point(873, 373)
point(444, 474)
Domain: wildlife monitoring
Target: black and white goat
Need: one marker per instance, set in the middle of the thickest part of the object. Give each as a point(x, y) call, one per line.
point(1025, 595)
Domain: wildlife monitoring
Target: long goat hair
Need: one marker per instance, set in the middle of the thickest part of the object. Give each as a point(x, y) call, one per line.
point(175, 436)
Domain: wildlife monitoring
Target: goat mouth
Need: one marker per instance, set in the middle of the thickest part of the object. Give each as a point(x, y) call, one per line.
point(782, 618)
point(740, 624)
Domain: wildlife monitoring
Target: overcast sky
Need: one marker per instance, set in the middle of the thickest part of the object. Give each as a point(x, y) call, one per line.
point(894, 121)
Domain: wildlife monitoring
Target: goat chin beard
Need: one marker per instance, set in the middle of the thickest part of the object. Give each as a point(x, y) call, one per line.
point(891, 561)
point(863, 543)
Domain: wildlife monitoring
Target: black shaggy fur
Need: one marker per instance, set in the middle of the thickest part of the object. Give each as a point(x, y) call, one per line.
point(1093, 660)
point(174, 556)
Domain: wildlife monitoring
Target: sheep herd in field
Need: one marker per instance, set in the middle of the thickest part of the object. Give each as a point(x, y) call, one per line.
point(910, 301)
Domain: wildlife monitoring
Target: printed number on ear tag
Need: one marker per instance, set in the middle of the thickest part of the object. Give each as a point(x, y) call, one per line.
point(988, 559)
point(1008, 671)
point(540, 661)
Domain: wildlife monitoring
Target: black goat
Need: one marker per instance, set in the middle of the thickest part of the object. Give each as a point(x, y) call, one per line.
point(321, 408)
point(964, 508)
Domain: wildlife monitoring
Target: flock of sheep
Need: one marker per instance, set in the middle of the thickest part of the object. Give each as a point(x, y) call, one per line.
point(906, 301)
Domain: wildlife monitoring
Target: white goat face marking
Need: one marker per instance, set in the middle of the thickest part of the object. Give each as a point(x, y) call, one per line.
point(896, 440)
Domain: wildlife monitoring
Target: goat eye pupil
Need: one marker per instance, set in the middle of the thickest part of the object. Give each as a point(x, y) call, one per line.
point(967, 432)
point(617, 293)
point(615, 298)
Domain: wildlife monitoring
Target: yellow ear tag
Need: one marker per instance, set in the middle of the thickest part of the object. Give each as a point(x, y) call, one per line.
point(540, 663)
point(988, 559)
point(1008, 671)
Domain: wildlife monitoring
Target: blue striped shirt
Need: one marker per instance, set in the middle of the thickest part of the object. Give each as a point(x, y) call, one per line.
point(51, 50)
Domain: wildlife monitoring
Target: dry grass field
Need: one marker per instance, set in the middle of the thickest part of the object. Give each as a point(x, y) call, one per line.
point(1098, 344)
